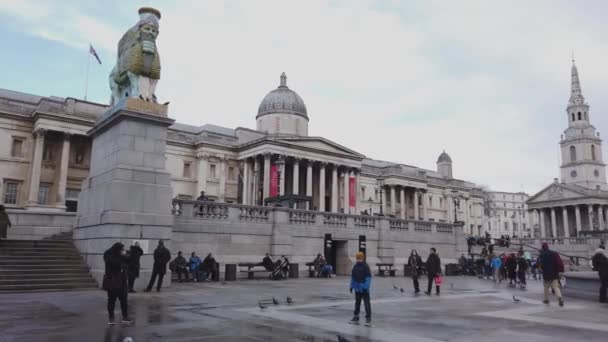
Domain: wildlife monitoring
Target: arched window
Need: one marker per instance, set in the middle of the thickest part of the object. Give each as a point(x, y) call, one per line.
point(572, 153)
point(573, 118)
point(579, 116)
point(592, 152)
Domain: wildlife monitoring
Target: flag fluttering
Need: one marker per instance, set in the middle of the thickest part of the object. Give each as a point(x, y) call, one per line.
point(94, 53)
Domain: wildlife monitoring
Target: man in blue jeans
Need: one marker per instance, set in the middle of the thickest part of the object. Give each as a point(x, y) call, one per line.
point(360, 282)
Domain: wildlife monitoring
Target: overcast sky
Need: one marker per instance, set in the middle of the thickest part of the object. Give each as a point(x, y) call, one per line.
point(488, 81)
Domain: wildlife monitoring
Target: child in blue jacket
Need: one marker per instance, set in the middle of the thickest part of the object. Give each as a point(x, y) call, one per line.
point(360, 282)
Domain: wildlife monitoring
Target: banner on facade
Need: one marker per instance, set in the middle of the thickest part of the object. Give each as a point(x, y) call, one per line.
point(352, 192)
point(274, 180)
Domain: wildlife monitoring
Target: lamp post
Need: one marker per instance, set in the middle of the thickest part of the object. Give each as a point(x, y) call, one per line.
point(456, 198)
point(381, 197)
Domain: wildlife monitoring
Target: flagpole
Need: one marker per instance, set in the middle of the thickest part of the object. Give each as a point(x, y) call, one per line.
point(86, 81)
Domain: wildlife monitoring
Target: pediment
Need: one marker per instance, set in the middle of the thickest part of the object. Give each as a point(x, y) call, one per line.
point(322, 145)
point(556, 192)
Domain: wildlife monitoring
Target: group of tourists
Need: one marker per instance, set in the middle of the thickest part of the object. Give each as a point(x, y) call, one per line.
point(201, 270)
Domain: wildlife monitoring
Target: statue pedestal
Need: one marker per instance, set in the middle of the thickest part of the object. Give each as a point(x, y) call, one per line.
point(127, 195)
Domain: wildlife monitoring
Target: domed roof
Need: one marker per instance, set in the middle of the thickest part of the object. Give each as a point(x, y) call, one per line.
point(282, 100)
point(444, 158)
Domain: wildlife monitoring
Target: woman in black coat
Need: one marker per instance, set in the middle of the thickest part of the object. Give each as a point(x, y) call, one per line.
point(415, 264)
point(135, 253)
point(115, 281)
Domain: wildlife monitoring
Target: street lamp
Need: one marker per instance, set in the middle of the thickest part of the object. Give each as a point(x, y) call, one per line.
point(280, 163)
point(381, 197)
point(456, 198)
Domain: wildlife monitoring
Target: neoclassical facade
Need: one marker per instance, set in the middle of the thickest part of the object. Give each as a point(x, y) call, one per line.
point(578, 201)
point(507, 214)
point(45, 155)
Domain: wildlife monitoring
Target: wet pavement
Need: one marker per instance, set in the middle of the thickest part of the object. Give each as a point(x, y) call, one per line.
point(468, 309)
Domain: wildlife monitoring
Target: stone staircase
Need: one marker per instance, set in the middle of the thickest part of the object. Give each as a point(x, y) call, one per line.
point(42, 265)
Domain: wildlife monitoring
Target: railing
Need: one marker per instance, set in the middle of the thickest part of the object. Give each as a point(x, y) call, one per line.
point(445, 228)
point(422, 227)
point(302, 217)
point(397, 224)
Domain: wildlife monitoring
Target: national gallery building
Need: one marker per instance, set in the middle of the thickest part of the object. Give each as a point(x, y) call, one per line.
point(45, 155)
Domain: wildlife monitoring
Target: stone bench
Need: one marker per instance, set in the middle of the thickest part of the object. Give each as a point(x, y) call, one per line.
point(253, 268)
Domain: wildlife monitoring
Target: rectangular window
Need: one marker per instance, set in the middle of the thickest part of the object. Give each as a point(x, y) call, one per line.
point(17, 148)
point(441, 203)
point(186, 173)
point(43, 193)
point(212, 174)
point(363, 192)
point(376, 195)
point(47, 154)
point(523, 226)
point(431, 201)
point(11, 191)
point(231, 174)
point(72, 194)
point(514, 226)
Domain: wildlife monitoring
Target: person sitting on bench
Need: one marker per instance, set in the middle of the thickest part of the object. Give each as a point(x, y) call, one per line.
point(208, 266)
point(180, 265)
point(267, 262)
point(194, 264)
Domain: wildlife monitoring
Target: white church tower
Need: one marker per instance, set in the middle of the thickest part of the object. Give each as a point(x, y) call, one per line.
point(581, 146)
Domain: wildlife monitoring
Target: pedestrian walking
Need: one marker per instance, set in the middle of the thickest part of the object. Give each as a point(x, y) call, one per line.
point(135, 253)
point(415, 264)
point(159, 269)
point(115, 282)
point(5, 223)
point(433, 269)
point(552, 267)
point(600, 264)
point(360, 282)
point(496, 267)
point(522, 269)
point(511, 267)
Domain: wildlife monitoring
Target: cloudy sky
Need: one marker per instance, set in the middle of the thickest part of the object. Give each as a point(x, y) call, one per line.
point(488, 81)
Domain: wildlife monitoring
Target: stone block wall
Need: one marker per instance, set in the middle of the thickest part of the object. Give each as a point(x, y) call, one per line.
point(34, 225)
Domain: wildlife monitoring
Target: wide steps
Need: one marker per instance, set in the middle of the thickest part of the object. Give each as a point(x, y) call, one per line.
point(42, 265)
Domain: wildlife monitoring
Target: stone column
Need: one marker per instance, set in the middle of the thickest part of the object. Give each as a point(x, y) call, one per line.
point(553, 223)
point(577, 215)
point(256, 181)
point(266, 185)
point(357, 192)
point(36, 166)
point(565, 219)
point(590, 214)
point(416, 205)
point(309, 183)
point(393, 200)
point(246, 182)
point(402, 199)
point(202, 169)
point(543, 230)
point(600, 211)
point(322, 186)
point(424, 198)
point(334, 189)
point(384, 201)
point(296, 177)
point(222, 188)
point(63, 170)
point(282, 178)
point(346, 192)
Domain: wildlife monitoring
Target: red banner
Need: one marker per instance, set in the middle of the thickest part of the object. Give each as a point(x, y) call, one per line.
point(352, 192)
point(274, 180)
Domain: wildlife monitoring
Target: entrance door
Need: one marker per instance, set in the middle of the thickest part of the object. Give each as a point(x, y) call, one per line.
point(330, 251)
point(344, 264)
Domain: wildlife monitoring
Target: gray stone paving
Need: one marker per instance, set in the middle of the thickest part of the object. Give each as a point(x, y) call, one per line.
point(468, 309)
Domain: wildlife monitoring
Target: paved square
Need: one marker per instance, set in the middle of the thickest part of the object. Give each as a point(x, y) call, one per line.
point(468, 309)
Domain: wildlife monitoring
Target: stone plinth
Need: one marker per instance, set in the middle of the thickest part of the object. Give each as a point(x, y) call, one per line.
point(125, 197)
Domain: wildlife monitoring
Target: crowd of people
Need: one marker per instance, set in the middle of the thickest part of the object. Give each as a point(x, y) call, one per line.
point(194, 269)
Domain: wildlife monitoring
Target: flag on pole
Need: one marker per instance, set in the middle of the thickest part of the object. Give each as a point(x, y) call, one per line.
point(94, 53)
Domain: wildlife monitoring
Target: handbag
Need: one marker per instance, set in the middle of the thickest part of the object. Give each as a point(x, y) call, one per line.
point(438, 280)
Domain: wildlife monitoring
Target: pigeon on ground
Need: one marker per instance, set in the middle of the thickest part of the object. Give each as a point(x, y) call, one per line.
point(402, 290)
point(262, 306)
point(516, 300)
point(342, 339)
point(395, 287)
point(275, 301)
point(289, 300)
point(141, 97)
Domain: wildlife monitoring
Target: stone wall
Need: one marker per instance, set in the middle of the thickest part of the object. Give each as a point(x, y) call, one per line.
point(34, 225)
point(238, 233)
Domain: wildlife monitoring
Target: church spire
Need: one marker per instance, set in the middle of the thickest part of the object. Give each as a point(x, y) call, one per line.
point(283, 80)
point(576, 94)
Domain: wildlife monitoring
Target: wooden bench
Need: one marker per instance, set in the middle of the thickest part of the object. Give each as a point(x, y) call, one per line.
point(311, 269)
point(384, 267)
point(253, 268)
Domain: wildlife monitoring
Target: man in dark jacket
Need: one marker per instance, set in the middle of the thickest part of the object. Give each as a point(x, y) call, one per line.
point(600, 264)
point(552, 267)
point(360, 282)
point(115, 281)
point(161, 257)
point(511, 267)
point(135, 253)
point(267, 262)
point(522, 268)
point(433, 269)
point(181, 267)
